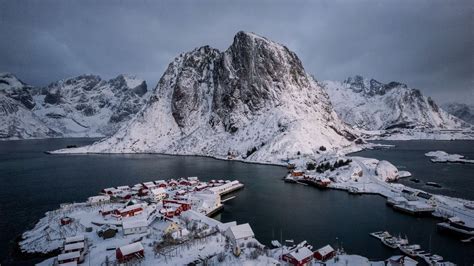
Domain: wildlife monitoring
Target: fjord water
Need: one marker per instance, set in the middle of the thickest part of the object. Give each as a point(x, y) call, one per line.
point(34, 182)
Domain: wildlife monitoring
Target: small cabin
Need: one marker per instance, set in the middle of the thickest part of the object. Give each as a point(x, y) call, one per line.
point(66, 220)
point(130, 252)
point(297, 173)
point(324, 253)
point(299, 256)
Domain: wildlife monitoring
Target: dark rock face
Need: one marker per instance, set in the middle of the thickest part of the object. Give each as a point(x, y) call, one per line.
point(249, 76)
point(374, 87)
point(53, 97)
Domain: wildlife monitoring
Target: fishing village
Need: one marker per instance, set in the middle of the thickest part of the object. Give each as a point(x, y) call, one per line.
point(169, 222)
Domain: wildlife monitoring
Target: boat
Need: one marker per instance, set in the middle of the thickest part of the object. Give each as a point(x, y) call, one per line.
point(354, 190)
point(390, 242)
point(380, 234)
point(411, 250)
point(457, 226)
point(275, 243)
point(433, 184)
point(432, 259)
point(469, 205)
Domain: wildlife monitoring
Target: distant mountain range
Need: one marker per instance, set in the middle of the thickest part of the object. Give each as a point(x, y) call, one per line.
point(460, 110)
point(370, 105)
point(83, 106)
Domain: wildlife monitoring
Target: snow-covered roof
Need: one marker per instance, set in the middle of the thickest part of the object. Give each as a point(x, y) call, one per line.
point(74, 246)
point(131, 248)
point(241, 231)
point(158, 191)
point(325, 250)
point(301, 253)
point(133, 207)
point(68, 256)
point(127, 224)
point(74, 239)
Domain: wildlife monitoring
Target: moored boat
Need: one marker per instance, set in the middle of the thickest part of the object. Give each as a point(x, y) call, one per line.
point(380, 234)
point(457, 226)
point(411, 250)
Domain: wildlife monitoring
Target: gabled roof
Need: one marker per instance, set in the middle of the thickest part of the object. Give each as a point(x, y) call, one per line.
point(241, 231)
point(325, 250)
point(301, 253)
point(131, 248)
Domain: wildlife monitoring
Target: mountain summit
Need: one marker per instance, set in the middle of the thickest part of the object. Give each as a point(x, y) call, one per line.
point(253, 101)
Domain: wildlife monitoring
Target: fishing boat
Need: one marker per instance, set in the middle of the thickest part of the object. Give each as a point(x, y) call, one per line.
point(457, 226)
point(469, 205)
point(411, 250)
point(380, 234)
point(432, 259)
point(390, 242)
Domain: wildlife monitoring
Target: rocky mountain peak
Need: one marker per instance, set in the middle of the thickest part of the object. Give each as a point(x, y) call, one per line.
point(371, 87)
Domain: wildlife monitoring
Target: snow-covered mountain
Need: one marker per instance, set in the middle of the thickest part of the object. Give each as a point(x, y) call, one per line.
point(84, 106)
point(254, 102)
point(373, 105)
point(460, 110)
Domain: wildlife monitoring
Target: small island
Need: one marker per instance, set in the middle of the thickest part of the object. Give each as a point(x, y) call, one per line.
point(444, 157)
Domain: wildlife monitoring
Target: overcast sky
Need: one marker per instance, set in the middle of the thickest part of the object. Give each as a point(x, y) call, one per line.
point(426, 44)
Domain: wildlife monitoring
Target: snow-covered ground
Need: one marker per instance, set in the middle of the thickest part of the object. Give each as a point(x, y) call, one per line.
point(366, 175)
point(444, 157)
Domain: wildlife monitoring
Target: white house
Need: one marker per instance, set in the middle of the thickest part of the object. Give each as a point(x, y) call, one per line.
point(134, 227)
point(158, 194)
point(239, 233)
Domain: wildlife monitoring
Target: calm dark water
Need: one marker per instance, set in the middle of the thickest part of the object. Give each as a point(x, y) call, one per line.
point(33, 182)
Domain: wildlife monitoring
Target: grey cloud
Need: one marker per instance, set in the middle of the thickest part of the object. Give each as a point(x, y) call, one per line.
point(426, 44)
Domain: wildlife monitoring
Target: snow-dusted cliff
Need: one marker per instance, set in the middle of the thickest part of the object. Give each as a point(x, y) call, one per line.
point(84, 106)
point(254, 102)
point(460, 110)
point(392, 107)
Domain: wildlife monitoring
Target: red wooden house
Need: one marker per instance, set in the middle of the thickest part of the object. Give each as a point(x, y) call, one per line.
point(324, 253)
point(299, 256)
point(130, 252)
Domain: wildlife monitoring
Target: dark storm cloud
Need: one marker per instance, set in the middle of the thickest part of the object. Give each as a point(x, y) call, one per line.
point(426, 44)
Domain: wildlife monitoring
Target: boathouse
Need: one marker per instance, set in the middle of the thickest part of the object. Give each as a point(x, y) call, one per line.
point(299, 256)
point(297, 173)
point(324, 253)
point(130, 252)
point(239, 233)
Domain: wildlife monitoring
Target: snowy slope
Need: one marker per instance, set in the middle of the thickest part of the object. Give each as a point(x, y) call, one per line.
point(18, 122)
point(461, 111)
point(253, 102)
point(372, 105)
point(84, 106)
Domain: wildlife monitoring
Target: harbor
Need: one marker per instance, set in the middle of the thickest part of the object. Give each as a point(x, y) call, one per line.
point(412, 251)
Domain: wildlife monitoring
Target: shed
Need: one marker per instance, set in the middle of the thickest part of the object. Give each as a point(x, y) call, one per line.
point(239, 233)
point(130, 252)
